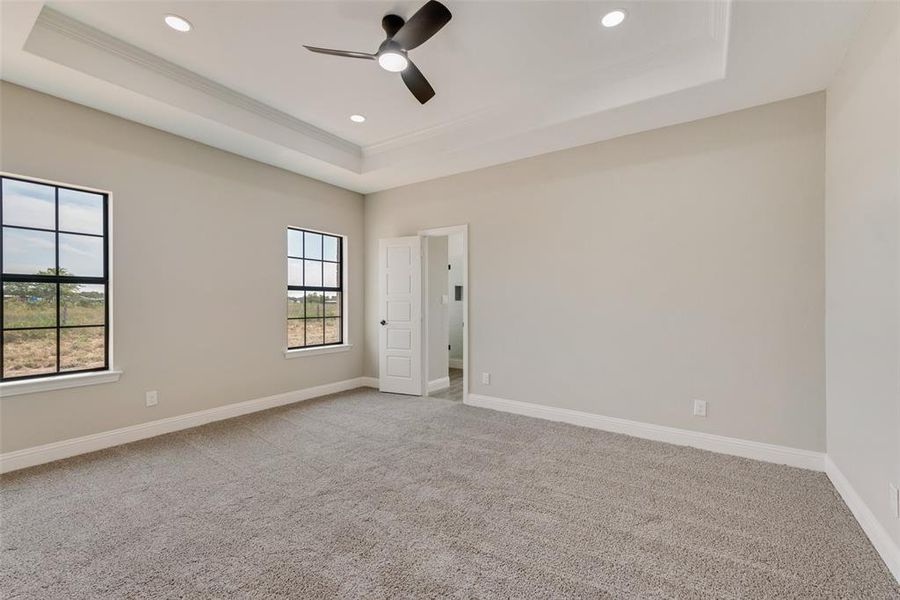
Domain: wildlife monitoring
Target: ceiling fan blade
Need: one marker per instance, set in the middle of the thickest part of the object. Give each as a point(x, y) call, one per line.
point(417, 83)
point(427, 21)
point(346, 53)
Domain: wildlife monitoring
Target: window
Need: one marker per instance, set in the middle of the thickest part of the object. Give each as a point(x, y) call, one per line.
point(315, 289)
point(54, 253)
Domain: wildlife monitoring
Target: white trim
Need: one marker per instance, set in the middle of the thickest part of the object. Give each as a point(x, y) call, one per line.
point(441, 231)
point(795, 457)
point(370, 382)
point(345, 289)
point(82, 188)
point(425, 278)
point(436, 385)
point(878, 535)
point(110, 285)
point(29, 457)
point(57, 382)
point(298, 352)
point(456, 363)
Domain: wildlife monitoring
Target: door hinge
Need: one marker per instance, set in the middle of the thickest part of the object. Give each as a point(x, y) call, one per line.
point(448, 346)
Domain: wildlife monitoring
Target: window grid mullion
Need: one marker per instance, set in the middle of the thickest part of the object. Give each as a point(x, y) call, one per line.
point(106, 364)
point(33, 278)
point(63, 231)
point(45, 327)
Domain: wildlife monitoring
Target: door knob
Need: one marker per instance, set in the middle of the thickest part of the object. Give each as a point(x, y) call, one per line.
point(383, 322)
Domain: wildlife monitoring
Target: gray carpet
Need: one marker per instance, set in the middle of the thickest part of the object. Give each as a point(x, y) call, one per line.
point(366, 495)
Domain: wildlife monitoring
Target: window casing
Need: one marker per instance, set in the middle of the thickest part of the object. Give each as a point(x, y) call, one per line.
point(54, 260)
point(315, 292)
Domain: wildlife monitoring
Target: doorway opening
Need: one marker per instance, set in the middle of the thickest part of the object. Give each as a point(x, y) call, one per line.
point(420, 288)
point(445, 312)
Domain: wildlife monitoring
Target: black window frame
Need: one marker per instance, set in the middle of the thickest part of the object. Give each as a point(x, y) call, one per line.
point(339, 289)
point(57, 280)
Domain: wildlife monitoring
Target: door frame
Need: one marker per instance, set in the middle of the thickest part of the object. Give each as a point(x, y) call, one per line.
point(438, 232)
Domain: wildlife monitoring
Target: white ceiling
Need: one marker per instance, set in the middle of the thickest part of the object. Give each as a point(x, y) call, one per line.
point(513, 79)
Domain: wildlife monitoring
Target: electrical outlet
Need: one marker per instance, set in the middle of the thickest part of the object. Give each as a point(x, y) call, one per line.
point(152, 398)
point(699, 408)
point(895, 500)
point(486, 378)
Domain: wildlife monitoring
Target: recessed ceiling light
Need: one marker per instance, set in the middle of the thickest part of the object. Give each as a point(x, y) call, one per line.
point(392, 61)
point(178, 23)
point(613, 18)
point(357, 118)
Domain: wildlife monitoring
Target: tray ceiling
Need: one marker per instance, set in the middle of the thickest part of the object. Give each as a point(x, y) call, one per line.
point(509, 84)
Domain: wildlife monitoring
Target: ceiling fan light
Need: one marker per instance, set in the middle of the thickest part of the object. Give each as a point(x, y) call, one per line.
point(392, 61)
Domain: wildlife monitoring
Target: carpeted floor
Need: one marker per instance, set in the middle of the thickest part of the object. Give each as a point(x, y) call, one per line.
point(368, 495)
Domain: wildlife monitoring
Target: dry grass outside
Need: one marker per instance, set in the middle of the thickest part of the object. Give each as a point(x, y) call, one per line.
point(81, 348)
point(42, 313)
point(313, 304)
point(29, 352)
point(313, 332)
point(33, 352)
point(332, 331)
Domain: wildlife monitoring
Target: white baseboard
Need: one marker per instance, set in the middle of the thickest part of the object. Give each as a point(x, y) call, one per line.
point(456, 363)
point(795, 457)
point(371, 382)
point(29, 457)
point(878, 535)
point(438, 384)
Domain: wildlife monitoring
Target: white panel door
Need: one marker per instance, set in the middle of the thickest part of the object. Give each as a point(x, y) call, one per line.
point(400, 315)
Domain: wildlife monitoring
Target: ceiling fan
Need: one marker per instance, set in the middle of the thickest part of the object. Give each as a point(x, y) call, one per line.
point(403, 36)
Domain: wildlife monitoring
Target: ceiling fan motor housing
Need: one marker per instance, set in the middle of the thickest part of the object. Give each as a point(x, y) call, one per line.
point(390, 45)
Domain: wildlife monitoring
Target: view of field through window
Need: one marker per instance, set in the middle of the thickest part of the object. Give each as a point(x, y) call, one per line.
point(54, 279)
point(314, 295)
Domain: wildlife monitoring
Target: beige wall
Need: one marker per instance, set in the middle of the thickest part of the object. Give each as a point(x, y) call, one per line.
point(623, 278)
point(628, 277)
point(199, 274)
point(863, 258)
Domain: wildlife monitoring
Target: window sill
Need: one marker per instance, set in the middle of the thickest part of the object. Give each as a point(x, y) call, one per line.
point(59, 382)
point(313, 351)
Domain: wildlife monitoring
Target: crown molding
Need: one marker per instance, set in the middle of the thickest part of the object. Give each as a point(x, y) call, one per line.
point(426, 133)
point(55, 22)
point(708, 48)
